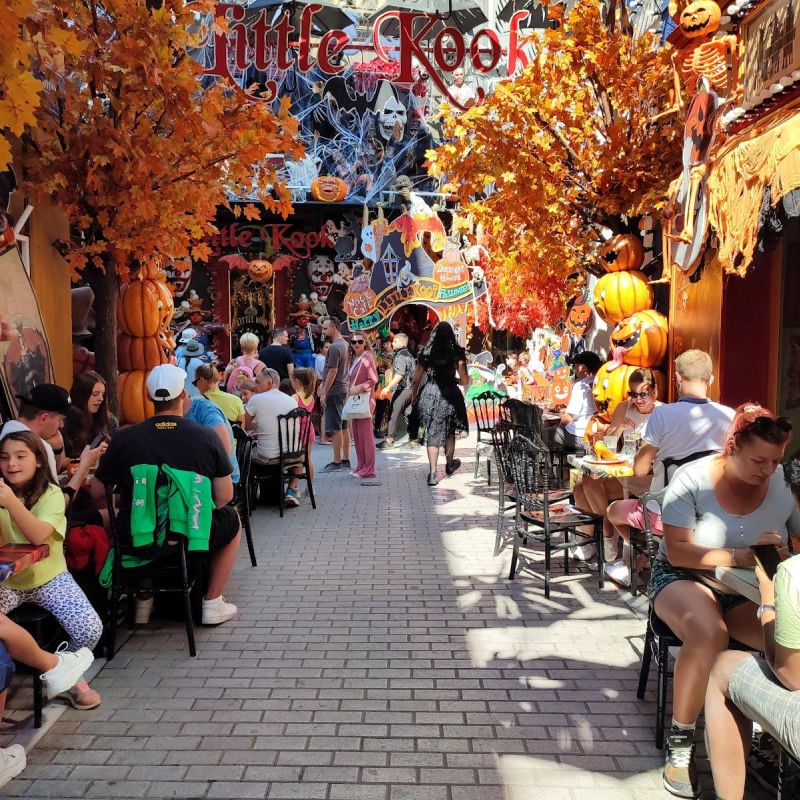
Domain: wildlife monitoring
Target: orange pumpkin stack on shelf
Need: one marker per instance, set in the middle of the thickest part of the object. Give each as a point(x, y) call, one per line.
point(144, 312)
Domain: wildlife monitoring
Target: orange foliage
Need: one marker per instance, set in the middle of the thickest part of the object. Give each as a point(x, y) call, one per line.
point(558, 152)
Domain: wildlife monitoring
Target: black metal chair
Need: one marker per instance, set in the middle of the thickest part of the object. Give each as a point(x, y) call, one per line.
point(486, 407)
point(294, 431)
point(243, 491)
point(163, 567)
point(544, 511)
point(525, 417)
point(502, 433)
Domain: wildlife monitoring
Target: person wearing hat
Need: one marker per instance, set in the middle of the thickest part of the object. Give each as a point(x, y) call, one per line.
point(168, 439)
point(43, 411)
point(568, 435)
point(193, 356)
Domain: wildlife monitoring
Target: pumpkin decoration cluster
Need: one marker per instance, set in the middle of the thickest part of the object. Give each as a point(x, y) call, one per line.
point(144, 312)
point(623, 298)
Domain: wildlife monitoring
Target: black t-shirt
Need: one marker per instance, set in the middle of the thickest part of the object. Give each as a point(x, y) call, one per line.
point(277, 357)
point(166, 439)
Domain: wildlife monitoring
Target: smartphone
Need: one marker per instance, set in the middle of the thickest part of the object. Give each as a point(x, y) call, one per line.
point(97, 439)
point(767, 558)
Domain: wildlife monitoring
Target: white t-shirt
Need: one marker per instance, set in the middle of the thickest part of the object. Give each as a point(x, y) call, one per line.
point(266, 407)
point(14, 426)
point(580, 407)
point(688, 426)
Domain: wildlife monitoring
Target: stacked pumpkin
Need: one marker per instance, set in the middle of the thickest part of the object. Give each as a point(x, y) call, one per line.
point(623, 298)
point(144, 312)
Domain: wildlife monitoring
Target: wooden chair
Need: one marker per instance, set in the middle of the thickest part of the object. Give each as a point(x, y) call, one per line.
point(535, 509)
point(502, 433)
point(163, 567)
point(243, 491)
point(486, 407)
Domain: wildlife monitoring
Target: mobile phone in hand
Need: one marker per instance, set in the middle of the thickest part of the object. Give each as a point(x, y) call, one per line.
point(96, 441)
point(767, 557)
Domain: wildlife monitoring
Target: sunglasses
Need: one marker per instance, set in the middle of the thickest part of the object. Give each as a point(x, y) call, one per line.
point(640, 395)
point(356, 341)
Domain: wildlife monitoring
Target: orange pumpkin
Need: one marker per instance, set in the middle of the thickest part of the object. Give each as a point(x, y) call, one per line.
point(142, 352)
point(135, 404)
point(643, 337)
point(579, 319)
point(329, 189)
point(561, 387)
point(611, 386)
point(699, 19)
point(145, 307)
point(620, 294)
point(260, 270)
point(622, 252)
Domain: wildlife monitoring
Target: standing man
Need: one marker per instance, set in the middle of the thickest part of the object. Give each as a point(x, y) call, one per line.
point(460, 92)
point(333, 393)
point(278, 355)
point(169, 439)
point(399, 386)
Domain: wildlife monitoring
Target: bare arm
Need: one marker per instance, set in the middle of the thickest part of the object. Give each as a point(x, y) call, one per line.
point(249, 422)
point(783, 661)
point(35, 530)
point(463, 376)
point(222, 491)
point(683, 552)
point(415, 382)
point(619, 422)
point(222, 432)
point(643, 460)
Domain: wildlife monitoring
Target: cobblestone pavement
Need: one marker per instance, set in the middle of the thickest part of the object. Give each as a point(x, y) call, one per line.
point(380, 654)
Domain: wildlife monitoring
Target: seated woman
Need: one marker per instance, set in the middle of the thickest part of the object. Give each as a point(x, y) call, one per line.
point(230, 404)
point(714, 509)
point(88, 420)
point(594, 492)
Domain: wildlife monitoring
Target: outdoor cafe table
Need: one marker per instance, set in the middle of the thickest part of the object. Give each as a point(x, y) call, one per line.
point(743, 581)
point(622, 469)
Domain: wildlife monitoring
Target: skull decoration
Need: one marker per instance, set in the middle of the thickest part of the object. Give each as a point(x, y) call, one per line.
point(320, 272)
point(392, 115)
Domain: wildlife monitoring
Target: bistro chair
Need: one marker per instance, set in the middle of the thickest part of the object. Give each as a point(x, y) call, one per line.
point(163, 567)
point(542, 514)
point(294, 430)
point(502, 433)
point(243, 491)
point(486, 407)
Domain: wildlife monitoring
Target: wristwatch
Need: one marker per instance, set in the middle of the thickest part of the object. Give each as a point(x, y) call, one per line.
point(762, 608)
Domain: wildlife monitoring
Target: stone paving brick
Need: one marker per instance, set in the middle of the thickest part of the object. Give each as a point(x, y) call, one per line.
point(404, 666)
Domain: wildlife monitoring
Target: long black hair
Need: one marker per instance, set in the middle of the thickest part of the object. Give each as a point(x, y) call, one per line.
point(443, 351)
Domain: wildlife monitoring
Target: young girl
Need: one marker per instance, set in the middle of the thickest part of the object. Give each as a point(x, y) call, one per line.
point(304, 382)
point(246, 366)
point(32, 511)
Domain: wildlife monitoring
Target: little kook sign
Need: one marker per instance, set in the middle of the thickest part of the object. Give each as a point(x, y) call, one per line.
point(261, 44)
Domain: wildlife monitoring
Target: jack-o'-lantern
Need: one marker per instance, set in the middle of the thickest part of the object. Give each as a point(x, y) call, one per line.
point(620, 294)
point(142, 352)
point(135, 404)
point(579, 319)
point(259, 270)
point(622, 252)
point(643, 337)
point(561, 387)
point(612, 384)
point(360, 299)
point(145, 307)
point(699, 19)
point(329, 189)
point(450, 269)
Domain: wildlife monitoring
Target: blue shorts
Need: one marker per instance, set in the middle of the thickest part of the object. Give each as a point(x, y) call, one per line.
point(758, 694)
point(6, 668)
point(664, 574)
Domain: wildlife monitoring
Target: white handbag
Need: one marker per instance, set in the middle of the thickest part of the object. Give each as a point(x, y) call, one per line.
point(357, 406)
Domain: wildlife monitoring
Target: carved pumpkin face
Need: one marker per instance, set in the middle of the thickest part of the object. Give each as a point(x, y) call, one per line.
point(145, 307)
point(622, 252)
point(620, 294)
point(329, 189)
point(579, 319)
point(259, 270)
point(561, 387)
point(610, 388)
point(700, 19)
point(643, 337)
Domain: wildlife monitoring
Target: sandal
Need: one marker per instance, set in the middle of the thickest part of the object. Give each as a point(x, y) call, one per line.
point(83, 701)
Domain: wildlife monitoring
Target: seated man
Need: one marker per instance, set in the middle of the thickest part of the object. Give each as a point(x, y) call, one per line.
point(746, 687)
point(568, 435)
point(261, 413)
point(169, 439)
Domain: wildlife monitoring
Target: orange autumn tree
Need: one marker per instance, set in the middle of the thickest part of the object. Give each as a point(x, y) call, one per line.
point(558, 153)
point(130, 145)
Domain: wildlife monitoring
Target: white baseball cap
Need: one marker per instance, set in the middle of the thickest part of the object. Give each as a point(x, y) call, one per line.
point(165, 382)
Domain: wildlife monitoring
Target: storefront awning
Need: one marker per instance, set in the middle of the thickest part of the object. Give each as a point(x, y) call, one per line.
point(766, 157)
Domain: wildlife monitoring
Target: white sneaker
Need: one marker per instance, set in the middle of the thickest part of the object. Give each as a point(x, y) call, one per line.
point(12, 762)
point(584, 552)
point(218, 610)
point(68, 671)
point(144, 608)
point(618, 572)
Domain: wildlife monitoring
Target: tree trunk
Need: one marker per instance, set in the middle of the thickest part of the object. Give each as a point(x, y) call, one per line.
point(106, 287)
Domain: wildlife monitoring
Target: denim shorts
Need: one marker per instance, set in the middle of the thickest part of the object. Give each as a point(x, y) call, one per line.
point(757, 693)
point(664, 574)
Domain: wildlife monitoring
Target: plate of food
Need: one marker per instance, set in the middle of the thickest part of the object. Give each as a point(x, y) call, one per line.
point(603, 462)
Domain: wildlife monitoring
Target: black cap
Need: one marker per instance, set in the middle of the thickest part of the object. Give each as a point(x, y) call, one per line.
point(47, 397)
point(590, 360)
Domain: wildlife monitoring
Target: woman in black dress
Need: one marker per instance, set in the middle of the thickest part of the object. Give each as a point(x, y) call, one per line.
point(440, 403)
